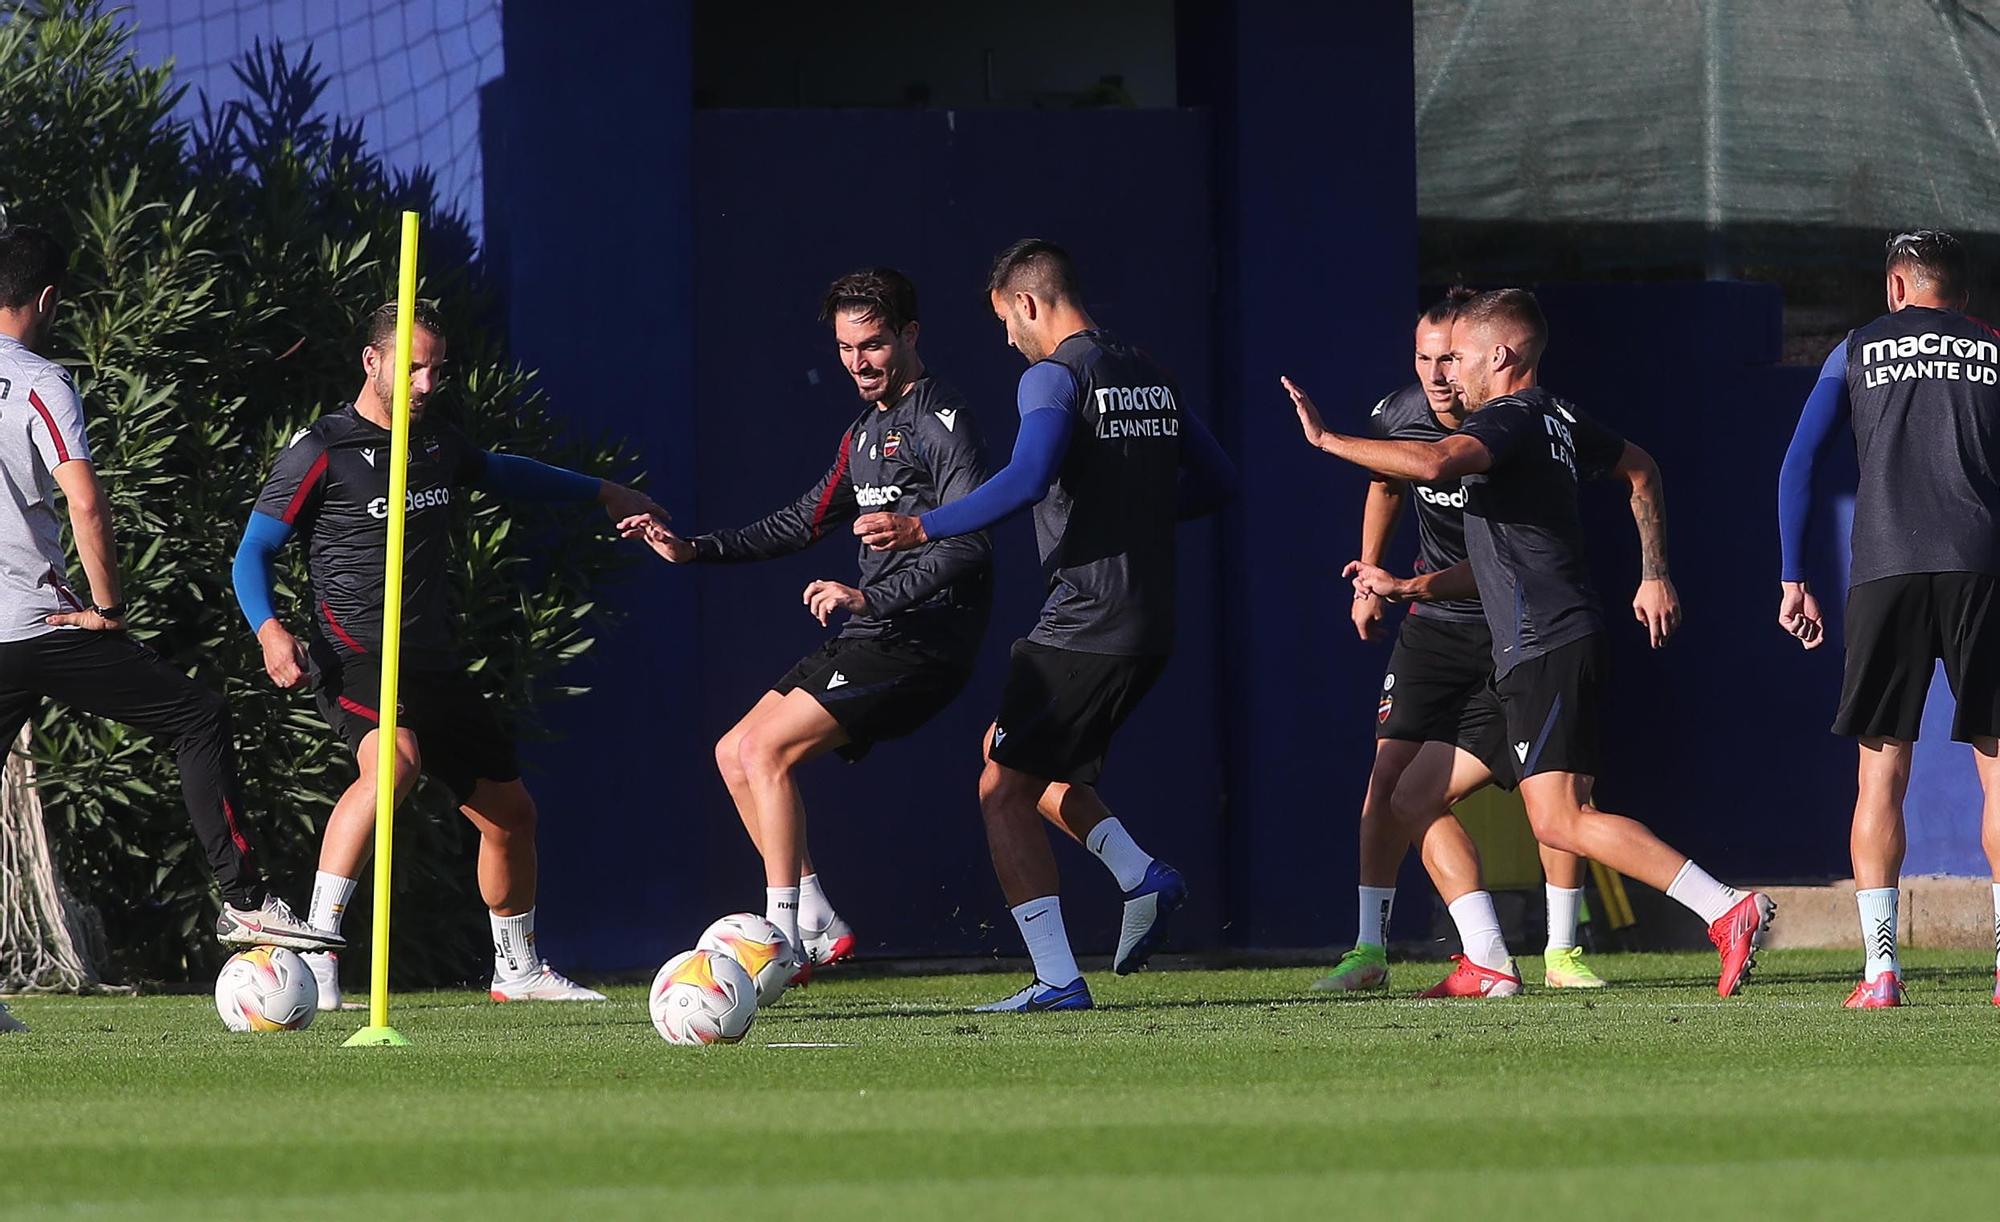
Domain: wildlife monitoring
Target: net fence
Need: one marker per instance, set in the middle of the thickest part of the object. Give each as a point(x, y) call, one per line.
point(410, 70)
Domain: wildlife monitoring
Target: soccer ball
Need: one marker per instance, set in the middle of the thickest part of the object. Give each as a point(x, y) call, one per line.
point(702, 997)
point(761, 950)
point(266, 988)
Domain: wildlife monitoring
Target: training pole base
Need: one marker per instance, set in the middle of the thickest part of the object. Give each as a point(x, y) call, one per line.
point(376, 1037)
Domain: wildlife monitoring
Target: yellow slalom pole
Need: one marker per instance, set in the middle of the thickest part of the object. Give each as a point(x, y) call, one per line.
point(378, 1032)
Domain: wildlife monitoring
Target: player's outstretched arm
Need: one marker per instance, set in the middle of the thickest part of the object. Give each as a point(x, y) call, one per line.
point(1657, 605)
point(1826, 409)
point(1443, 585)
point(783, 531)
point(96, 547)
point(1208, 478)
point(1047, 400)
point(516, 478)
point(1423, 461)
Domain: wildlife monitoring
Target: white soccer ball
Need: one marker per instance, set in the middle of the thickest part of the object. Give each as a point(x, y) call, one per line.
point(759, 948)
point(266, 988)
point(702, 997)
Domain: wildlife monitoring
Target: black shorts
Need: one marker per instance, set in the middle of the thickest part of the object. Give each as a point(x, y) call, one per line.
point(877, 690)
point(1897, 628)
point(1552, 704)
point(1439, 689)
point(1061, 707)
point(458, 736)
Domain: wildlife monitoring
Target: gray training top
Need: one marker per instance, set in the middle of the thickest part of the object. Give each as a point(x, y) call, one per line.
point(41, 428)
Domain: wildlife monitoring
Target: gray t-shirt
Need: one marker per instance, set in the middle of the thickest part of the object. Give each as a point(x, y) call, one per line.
point(41, 427)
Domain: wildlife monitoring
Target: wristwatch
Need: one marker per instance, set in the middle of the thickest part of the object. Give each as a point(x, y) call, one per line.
point(117, 612)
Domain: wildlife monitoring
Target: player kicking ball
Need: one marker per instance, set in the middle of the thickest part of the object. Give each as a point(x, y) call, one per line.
point(1920, 389)
point(1436, 698)
point(1110, 462)
point(330, 487)
point(914, 623)
point(1517, 454)
point(54, 646)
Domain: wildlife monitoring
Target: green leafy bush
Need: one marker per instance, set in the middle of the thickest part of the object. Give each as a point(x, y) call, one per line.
point(220, 271)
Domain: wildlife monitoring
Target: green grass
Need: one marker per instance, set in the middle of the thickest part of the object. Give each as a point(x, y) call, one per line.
point(1188, 1094)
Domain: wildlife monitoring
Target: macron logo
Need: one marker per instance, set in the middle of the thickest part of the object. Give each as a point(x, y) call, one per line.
point(999, 735)
point(1521, 752)
point(368, 456)
point(1378, 408)
point(948, 417)
point(838, 680)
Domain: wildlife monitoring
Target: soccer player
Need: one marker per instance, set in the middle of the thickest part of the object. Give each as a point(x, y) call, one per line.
point(1436, 688)
point(1110, 461)
point(331, 487)
point(1920, 389)
point(914, 623)
point(54, 645)
point(1517, 455)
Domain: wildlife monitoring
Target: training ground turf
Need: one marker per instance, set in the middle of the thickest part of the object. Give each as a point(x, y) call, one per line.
point(1188, 1094)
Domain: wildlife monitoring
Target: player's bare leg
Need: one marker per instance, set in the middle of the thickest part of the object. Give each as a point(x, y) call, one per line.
point(504, 813)
point(344, 849)
point(1382, 844)
point(1153, 890)
point(1010, 802)
point(1986, 757)
point(1877, 842)
point(1441, 776)
point(1560, 810)
point(787, 733)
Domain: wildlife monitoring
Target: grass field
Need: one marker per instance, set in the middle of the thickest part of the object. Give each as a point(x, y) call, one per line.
point(1188, 1094)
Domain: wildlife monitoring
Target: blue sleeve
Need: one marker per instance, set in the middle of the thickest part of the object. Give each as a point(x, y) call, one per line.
point(1208, 478)
point(524, 479)
point(1825, 411)
point(251, 573)
point(1049, 410)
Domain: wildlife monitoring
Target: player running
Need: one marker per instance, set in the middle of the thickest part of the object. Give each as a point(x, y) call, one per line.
point(1920, 388)
point(1518, 456)
point(914, 623)
point(1437, 689)
point(1110, 461)
point(55, 646)
point(331, 488)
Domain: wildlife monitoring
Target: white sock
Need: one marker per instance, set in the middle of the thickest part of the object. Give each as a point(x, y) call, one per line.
point(1996, 928)
point(814, 911)
point(1479, 930)
point(781, 908)
point(1696, 889)
point(514, 953)
point(1048, 942)
point(1878, 930)
point(1120, 854)
point(1563, 904)
point(329, 903)
point(1375, 905)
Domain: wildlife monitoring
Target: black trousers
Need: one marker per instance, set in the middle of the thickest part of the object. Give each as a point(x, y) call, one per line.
point(110, 675)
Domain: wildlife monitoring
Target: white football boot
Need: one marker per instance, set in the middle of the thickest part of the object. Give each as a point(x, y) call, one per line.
point(543, 984)
point(832, 943)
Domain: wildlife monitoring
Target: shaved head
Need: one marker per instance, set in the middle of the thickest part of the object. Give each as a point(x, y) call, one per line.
point(1508, 316)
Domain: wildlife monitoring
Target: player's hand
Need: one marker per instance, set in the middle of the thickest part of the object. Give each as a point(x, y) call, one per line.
point(1368, 612)
point(671, 547)
point(87, 619)
point(1657, 605)
point(1309, 421)
point(1370, 579)
point(622, 503)
point(890, 532)
point(284, 657)
point(1799, 614)
point(823, 598)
